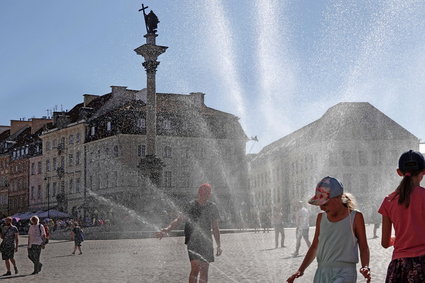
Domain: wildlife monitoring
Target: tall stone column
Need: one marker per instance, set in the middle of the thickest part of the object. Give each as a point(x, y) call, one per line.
point(150, 51)
point(151, 166)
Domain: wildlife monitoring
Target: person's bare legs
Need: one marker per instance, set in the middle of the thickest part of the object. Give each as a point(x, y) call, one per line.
point(194, 270)
point(12, 260)
point(7, 265)
point(203, 272)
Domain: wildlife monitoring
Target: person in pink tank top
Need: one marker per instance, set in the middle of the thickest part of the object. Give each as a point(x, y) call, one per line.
point(404, 209)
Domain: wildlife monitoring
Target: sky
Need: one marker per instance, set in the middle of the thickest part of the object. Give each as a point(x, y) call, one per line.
point(277, 65)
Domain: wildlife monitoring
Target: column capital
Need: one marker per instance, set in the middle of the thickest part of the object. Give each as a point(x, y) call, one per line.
point(150, 66)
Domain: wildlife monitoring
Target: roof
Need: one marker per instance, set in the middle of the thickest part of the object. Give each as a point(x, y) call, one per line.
point(342, 122)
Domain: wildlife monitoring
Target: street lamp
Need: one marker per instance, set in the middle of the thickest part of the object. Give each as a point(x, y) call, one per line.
point(48, 195)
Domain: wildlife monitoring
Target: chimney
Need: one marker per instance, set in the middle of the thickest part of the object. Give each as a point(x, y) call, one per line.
point(89, 98)
point(117, 90)
point(60, 119)
point(197, 98)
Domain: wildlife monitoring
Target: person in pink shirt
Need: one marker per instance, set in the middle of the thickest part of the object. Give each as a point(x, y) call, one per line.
point(405, 210)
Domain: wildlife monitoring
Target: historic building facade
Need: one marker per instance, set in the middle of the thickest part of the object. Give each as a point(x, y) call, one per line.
point(353, 142)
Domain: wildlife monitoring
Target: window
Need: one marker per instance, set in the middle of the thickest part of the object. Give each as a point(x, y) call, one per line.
point(32, 192)
point(39, 167)
point(71, 139)
point(116, 151)
point(167, 124)
point(55, 165)
point(39, 192)
point(108, 126)
point(77, 185)
point(167, 151)
point(47, 165)
point(32, 168)
point(92, 131)
point(141, 123)
point(77, 138)
point(346, 158)
point(362, 158)
point(77, 158)
point(141, 150)
point(71, 186)
point(54, 189)
point(70, 159)
point(167, 179)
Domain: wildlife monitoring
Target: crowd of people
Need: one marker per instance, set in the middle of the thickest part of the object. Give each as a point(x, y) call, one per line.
point(338, 244)
point(38, 237)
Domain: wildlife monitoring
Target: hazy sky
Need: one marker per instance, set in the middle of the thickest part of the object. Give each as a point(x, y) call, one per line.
point(278, 65)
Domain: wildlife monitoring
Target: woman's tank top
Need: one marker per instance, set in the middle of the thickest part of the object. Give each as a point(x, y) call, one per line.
point(337, 242)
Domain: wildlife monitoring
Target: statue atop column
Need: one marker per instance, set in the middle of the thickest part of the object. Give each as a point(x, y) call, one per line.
point(151, 20)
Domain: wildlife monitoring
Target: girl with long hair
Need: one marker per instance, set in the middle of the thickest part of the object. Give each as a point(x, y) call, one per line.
point(404, 209)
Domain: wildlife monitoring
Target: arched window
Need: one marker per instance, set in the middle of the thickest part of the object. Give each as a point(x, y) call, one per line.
point(167, 151)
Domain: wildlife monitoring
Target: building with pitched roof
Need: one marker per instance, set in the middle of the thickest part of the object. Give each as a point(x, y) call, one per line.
point(352, 141)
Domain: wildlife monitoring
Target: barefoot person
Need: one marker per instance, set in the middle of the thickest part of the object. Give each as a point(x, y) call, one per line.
point(200, 216)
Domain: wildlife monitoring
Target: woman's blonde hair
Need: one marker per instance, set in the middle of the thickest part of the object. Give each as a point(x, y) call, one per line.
point(349, 201)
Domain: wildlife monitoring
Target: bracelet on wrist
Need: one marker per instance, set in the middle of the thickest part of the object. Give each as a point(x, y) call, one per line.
point(365, 267)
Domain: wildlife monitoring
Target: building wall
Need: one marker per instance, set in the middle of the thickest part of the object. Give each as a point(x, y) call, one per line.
point(63, 164)
point(4, 183)
point(286, 174)
point(37, 195)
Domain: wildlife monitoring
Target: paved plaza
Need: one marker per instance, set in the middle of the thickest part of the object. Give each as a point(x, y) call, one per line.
point(247, 257)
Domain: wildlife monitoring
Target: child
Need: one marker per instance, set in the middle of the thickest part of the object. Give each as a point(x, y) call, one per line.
point(405, 210)
point(340, 231)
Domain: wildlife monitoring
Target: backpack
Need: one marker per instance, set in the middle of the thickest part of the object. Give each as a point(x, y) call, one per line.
point(46, 232)
point(79, 234)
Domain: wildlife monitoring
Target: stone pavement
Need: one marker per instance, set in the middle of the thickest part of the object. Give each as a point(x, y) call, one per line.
point(247, 257)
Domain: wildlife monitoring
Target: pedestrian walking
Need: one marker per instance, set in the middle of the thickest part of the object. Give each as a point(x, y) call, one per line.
point(404, 209)
point(302, 221)
point(9, 244)
point(340, 233)
point(200, 216)
point(36, 242)
point(77, 235)
point(278, 224)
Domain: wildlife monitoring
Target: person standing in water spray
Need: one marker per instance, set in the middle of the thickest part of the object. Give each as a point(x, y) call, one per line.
point(340, 232)
point(200, 216)
point(404, 209)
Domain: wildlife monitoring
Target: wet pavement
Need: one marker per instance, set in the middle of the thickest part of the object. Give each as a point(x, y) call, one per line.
point(247, 257)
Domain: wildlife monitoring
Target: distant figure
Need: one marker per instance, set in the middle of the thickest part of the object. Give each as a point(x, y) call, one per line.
point(302, 221)
point(278, 222)
point(9, 245)
point(36, 237)
point(340, 234)
point(200, 216)
point(77, 235)
point(265, 221)
point(404, 209)
point(376, 220)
